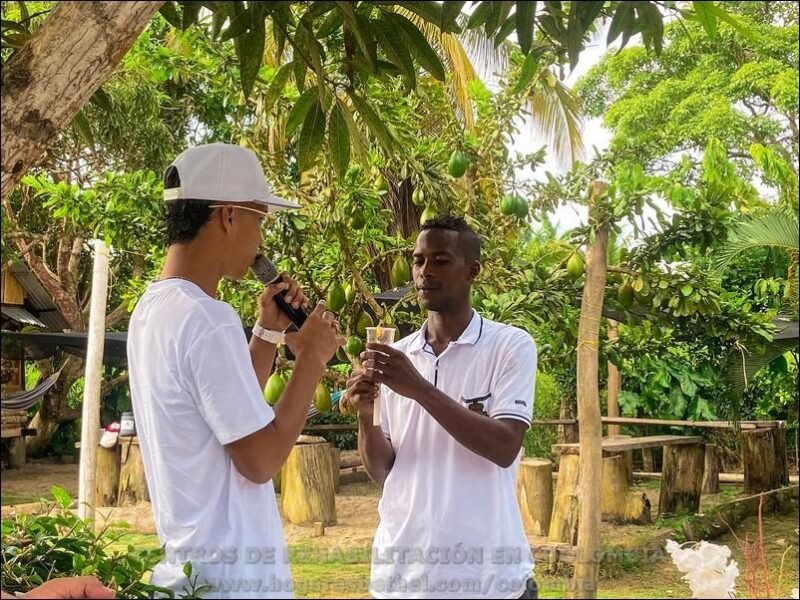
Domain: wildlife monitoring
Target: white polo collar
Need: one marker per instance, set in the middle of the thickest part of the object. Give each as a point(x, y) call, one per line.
point(470, 336)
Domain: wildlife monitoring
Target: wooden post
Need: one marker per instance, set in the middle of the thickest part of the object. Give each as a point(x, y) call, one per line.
point(587, 563)
point(764, 459)
point(614, 384)
point(711, 470)
point(535, 494)
point(93, 377)
point(132, 480)
point(682, 479)
point(307, 494)
point(335, 472)
point(107, 475)
point(564, 520)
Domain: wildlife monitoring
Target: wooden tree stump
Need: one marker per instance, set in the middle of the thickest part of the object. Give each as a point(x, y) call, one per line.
point(307, 489)
point(564, 520)
point(16, 453)
point(711, 471)
point(108, 469)
point(618, 503)
point(335, 455)
point(682, 479)
point(764, 459)
point(132, 481)
point(535, 494)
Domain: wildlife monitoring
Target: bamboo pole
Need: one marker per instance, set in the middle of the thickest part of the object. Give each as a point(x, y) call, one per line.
point(90, 420)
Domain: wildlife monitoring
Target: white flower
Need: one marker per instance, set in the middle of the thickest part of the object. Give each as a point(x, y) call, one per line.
point(706, 568)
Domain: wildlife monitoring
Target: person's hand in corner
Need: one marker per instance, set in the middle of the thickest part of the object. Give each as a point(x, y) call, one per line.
point(69, 587)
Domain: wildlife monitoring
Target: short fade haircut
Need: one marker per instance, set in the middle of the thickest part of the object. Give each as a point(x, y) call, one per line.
point(183, 218)
point(468, 239)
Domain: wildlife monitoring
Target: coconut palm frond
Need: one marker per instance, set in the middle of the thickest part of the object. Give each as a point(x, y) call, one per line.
point(777, 228)
point(556, 117)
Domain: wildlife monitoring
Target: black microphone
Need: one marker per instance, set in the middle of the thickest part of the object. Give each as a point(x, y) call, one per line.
point(267, 273)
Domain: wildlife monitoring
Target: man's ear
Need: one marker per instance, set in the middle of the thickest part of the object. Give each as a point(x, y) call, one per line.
point(474, 270)
point(227, 216)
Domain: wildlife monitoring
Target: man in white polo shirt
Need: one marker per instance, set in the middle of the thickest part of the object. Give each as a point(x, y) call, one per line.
point(456, 401)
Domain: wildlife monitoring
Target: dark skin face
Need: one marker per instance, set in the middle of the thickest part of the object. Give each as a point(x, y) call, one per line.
point(442, 274)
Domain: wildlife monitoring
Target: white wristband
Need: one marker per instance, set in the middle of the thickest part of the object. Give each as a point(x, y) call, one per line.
point(269, 335)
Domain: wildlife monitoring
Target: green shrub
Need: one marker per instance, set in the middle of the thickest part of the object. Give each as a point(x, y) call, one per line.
point(546, 403)
point(37, 548)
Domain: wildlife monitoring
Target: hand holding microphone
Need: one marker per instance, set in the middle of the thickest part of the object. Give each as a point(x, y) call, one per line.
point(283, 303)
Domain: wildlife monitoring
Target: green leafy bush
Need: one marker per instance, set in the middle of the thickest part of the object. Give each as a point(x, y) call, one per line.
point(36, 548)
point(545, 406)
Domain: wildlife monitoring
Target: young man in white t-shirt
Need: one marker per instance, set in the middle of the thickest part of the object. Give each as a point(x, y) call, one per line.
point(210, 443)
point(456, 401)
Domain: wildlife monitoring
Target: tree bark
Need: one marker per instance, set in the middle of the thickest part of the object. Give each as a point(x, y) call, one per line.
point(307, 488)
point(567, 434)
point(711, 471)
point(682, 479)
point(53, 409)
point(132, 479)
point(107, 476)
point(49, 80)
point(566, 506)
point(584, 583)
point(535, 494)
point(764, 458)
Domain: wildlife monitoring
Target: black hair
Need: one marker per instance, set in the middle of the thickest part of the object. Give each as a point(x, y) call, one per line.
point(184, 218)
point(469, 241)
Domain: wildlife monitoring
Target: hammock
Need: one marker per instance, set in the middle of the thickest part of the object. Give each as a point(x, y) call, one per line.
point(24, 400)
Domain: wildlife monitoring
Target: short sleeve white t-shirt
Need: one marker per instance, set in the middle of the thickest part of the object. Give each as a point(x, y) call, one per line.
point(194, 390)
point(450, 525)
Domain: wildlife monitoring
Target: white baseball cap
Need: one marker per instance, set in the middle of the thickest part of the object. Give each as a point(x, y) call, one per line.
point(220, 173)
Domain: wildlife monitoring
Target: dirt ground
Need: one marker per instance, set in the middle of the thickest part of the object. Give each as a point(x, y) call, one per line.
point(639, 574)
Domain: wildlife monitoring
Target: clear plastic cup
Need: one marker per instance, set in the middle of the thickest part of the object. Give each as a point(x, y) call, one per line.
point(379, 335)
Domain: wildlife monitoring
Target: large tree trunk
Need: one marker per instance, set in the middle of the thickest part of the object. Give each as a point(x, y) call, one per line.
point(584, 583)
point(53, 410)
point(47, 82)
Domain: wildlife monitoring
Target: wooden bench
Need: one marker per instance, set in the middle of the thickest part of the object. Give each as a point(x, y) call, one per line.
point(682, 480)
point(616, 445)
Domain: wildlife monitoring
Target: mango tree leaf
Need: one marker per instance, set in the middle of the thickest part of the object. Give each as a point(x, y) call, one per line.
point(191, 10)
point(429, 11)
point(238, 26)
point(480, 14)
point(505, 30)
point(331, 23)
point(392, 44)
point(704, 11)
point(373, 121)
point(339, 141)
point(311, 136)
point(524, 17)
point(356, 141)
point(102, 100)
point(623, 19)
point(299, 110)
point(81, 126)
point(363, 37)
point(450, 13)
point(528, 71)
point(277, 86)
point(250, 47)
point(170, 13)
point(425, 55)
